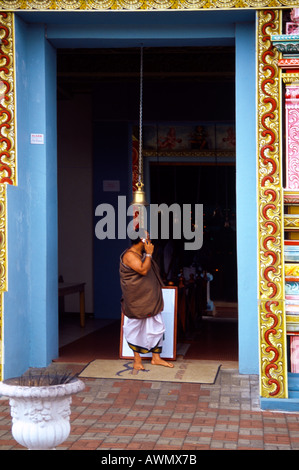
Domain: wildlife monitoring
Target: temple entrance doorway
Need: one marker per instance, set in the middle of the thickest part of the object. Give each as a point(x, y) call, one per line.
point(199, 66)
point(185, 85)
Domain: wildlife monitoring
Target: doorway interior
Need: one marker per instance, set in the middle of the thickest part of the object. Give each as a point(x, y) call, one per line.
point(181, 84)
point(213, 186)
point(206, 278)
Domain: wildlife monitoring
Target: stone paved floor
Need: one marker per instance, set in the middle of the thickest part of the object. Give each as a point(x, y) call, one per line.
point(129, 415)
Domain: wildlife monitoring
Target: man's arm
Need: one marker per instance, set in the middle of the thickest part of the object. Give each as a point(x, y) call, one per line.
point(132, 260)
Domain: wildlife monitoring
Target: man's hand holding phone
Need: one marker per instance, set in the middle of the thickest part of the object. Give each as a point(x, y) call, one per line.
point(148, 246)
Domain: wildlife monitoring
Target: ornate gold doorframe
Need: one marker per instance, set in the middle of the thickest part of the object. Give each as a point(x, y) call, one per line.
point(131, 5)
point(272, 324)
point(270, 198)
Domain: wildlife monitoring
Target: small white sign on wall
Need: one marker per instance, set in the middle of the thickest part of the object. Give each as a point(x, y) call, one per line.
point(37, 139)
point(111, 185)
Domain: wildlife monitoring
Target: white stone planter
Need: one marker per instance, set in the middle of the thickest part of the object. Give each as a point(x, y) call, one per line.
point(40, 414)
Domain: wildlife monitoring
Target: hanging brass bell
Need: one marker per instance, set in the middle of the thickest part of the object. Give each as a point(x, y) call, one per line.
point(139, 196)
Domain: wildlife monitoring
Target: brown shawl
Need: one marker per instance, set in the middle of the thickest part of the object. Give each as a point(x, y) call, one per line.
point(141, 294)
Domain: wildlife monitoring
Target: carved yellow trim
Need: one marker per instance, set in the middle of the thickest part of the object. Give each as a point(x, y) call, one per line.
point(102, 5)
point(273, 361)
point(291, 198)
point(272, 322)
point(7, 100)
point(293, 318)
point(291, 222)
point(290, 78)
point(292, 324)
point(3, 266)
point(3, 238)
point(292, 269)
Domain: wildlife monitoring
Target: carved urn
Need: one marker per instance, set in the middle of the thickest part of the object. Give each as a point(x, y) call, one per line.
point(40, 414)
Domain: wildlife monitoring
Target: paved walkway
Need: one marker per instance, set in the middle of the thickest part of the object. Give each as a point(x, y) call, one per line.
point(130, 415)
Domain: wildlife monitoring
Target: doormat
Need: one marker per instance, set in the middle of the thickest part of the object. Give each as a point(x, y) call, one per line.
point(184, 371)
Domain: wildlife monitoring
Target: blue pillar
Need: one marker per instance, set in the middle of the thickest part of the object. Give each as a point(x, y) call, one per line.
point(246, 184)
point(30, 305)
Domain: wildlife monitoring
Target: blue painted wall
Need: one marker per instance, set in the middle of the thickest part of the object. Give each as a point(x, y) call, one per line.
point(16, 300)
point(111, 162)
point(246, 184)
point(30, 305)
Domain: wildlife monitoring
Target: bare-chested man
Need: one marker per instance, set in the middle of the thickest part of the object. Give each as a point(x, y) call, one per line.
point(142, 301)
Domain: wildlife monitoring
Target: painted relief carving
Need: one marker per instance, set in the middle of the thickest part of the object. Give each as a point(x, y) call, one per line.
point(292, 137)
point(288, 45)
point(294, 345)
point(7, 144)
point(13, 5)
point(273, 366)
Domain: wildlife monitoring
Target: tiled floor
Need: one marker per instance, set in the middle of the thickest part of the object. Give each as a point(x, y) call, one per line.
point(131, 415)
point(161, 416)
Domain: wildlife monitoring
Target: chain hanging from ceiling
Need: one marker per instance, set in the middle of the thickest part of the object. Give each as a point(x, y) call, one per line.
point(139, 194)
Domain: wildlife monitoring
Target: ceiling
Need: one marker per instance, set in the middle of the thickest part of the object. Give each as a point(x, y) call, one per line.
point(81, 70)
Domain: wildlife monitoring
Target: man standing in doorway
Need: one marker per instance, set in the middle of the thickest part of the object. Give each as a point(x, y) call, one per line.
point(142, 301)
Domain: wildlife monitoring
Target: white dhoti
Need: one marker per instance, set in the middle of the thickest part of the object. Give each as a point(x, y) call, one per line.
point(144, 335)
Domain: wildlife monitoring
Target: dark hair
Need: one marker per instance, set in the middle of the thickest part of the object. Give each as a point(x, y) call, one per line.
point(137, 234)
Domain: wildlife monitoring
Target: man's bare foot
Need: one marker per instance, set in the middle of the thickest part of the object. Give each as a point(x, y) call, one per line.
point(137, 365)
point(157, 361)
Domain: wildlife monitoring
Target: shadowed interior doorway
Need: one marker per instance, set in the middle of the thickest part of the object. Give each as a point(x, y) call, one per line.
point(181, 84)
point(207, 278)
